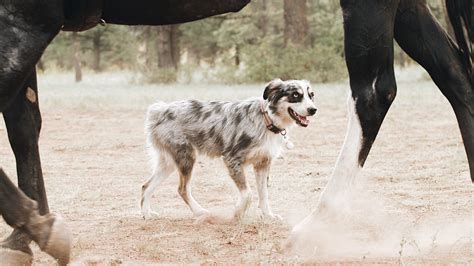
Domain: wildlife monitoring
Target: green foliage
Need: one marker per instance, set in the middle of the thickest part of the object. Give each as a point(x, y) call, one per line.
point(117, 48)
point(198, 39)
point(268, 61)
point(59, 53)
point(120, 46)
point(161, 76)
point(265, 57)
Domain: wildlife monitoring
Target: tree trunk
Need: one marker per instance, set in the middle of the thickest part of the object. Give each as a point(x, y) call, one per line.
point(296, 22)
point(77, 57)
point(175, 47)
point(168, 47)
point(263, 17)
point(97, 48)
point(237, 55)
point(142, 55)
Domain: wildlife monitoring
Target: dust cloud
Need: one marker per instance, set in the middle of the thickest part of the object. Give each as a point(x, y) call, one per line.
point(368, 226)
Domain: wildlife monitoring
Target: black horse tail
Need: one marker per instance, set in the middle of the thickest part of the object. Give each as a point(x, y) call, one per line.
point(460, 15)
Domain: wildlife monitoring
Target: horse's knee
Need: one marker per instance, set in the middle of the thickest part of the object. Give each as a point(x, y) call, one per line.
point(385, 88)
point(373, 100)
point(372, 103)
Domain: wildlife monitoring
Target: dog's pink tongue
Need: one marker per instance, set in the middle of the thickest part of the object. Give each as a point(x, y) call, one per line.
point(304, 120)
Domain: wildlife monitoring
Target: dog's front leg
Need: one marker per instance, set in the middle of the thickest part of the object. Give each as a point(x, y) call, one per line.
point(262, 170)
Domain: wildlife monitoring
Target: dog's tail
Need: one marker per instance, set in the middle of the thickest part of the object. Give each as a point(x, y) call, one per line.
point(153, 117)
point(159, 106)
point(459, 12)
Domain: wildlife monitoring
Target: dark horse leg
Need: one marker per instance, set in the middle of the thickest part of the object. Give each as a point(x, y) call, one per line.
point(26, 27)
point(420, 35)
point(22, 213)
point(23, 121)
point(368, 36)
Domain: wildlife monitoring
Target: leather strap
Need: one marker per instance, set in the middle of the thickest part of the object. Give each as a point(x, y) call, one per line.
point(268, 121)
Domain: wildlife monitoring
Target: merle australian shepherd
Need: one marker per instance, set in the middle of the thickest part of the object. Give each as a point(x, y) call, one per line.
point(250, 132)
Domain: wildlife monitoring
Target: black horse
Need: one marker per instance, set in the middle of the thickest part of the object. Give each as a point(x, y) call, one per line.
point(26, 29)
point(28, 26)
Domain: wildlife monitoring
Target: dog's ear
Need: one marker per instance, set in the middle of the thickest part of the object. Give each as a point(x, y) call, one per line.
point(271, 87)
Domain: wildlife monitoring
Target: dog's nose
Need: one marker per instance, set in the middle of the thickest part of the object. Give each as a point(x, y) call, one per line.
point(312, 111)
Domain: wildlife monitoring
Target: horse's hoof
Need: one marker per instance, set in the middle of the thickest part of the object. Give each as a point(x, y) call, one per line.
point(59, 241)
point(14, 257)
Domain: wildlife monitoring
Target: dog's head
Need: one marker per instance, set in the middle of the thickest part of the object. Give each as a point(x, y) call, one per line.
point(289, 102)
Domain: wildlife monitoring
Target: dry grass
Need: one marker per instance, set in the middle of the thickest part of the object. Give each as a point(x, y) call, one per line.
point(92, 148)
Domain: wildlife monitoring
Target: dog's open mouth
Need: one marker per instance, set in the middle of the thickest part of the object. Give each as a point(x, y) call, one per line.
point(300, 120)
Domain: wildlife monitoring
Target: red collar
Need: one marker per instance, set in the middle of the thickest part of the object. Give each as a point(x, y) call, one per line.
point(268, 121)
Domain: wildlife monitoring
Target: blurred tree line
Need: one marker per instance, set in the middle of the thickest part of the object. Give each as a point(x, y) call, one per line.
point(268, 39)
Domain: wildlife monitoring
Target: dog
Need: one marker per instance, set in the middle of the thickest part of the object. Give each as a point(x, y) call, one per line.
point(250, 132)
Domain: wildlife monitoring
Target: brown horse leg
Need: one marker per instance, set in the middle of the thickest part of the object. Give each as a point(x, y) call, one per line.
point(422, 38)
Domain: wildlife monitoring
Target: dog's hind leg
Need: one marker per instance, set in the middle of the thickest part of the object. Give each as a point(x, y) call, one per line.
point(262, 169)
point(185, 158)
point(236, 172)
point(163, 168)
point(420, 35)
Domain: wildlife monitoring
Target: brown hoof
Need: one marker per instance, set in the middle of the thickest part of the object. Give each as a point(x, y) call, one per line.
point(59, 242)
point(14, 257)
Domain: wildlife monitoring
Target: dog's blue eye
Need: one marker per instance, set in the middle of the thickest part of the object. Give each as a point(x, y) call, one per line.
point(296, 95)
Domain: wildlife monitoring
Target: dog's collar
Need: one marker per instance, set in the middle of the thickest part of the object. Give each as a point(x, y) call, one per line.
point(268, 121)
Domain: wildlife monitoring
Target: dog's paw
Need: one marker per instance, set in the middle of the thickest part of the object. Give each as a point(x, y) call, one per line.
point(202, 212)
point(273, 216)
point(148, 214)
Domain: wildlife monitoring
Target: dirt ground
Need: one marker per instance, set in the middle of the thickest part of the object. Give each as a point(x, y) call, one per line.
point(413, 200)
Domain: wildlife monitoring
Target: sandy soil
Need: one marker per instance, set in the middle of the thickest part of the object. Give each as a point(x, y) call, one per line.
point(412, 202)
